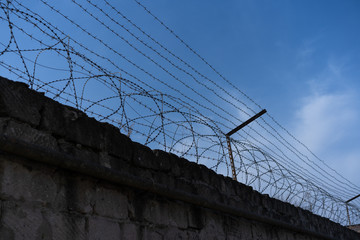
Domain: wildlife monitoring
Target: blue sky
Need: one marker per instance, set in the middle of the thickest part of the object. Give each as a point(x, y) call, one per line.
point(298, 59)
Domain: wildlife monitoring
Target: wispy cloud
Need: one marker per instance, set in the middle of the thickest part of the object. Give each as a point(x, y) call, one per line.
point(327, 119)
point(305, 53)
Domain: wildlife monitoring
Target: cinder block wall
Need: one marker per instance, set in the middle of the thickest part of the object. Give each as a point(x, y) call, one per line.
point(64, 175)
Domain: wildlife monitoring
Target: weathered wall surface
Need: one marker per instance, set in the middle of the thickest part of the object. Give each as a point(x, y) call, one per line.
point(64, 175)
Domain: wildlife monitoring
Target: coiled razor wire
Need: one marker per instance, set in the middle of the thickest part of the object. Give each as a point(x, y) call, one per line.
point(139, 75)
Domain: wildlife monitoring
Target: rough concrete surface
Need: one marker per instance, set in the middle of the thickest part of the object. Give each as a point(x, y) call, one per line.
point(64, 175)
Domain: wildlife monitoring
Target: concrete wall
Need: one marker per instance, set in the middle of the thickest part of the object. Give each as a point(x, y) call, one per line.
point(64, 175)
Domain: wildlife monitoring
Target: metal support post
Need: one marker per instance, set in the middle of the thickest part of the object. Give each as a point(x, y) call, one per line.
point(348, 215)
point(234, 131)
point(347, 207)
point(231, 158)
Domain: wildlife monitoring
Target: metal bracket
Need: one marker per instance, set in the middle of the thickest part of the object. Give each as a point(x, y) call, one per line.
point(347, 207)
point(234, 131)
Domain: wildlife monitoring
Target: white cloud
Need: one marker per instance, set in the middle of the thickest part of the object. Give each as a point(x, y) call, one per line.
point(325, 119)
point(330, 113)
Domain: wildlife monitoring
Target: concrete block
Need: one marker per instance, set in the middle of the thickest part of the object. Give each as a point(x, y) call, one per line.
point(15, 180)
point(103, 229)
point(192, 235)
point(156, 212)
point(184, 185)
point(119, 164)
point(42, 188)
point(225, 183)
point(213, 228)
point(205, 173)
point(118, 144)
point(175, 166)
point(138, 202)
point(3, 123)
point(164, 179)
point(207, 192)
point(217, 182)
point(196, 218)
point(67, 226)
point(298, 236)
point(163, 158)
point(258, 231)
point(178, 215)
point(19, 102)
point(142, 173)
point(72, 125)
point(111, 203)
point(26, 133)
point(191, 171)
point(236, 228)
point(78, 151)
point(175, 233)
point(44, 231)
point(6, 233)
point(21, 221)
point(74, 193)
point(286, 235)
point(147, 232)
point(104, 159)
point(144, 157)
point(27, 184)
point(77, 194)
point(129, 231)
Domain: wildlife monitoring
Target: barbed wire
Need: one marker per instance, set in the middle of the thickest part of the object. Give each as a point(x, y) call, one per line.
point(247, 97)
point(110, 66)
